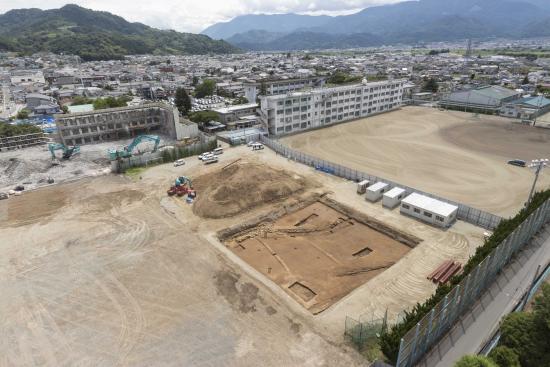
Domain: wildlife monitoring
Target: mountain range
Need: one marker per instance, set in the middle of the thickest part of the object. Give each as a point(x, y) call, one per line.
point(405, 22)
point(95, 35)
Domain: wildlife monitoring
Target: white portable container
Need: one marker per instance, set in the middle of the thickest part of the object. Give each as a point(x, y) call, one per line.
point(392, 198)
point(375, 191)
point(429, 210)
point(362, 186)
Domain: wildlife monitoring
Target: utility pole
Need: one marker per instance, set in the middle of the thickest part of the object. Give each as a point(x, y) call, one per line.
point(537, 165)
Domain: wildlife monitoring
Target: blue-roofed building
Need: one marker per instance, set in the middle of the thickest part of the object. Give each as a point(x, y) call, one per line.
point(527, 108)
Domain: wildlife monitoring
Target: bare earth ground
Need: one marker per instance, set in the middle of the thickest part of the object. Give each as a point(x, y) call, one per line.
point(453, 154)
point(303, 253)
point(109, 271)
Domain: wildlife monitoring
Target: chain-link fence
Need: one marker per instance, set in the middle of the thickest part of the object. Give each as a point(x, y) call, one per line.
point(365, 331)
point(466, 213)
point(440, 319)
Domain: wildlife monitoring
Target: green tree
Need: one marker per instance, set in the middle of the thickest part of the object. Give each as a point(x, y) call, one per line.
point(202, 117)
point(525, 80)
point(528, 333)
point(340, 77)
point(23, 114)
point(80, 100)
point(475, 361)
point(195, 81)
point(541, 307)
point(504, 357)
point(111, 102)
point(65, 109)
point(430, 86)
point(14, 130)
point(240, 100)
point(182, 101)
point(206, 88)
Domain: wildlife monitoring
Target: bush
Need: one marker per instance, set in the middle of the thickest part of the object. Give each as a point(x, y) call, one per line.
point(14, 130)
point(527, 334)
point(504, 357)
point(475, 361)
point(171, 155)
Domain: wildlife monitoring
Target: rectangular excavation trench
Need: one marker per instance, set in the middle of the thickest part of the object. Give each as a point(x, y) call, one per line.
point(319, 251)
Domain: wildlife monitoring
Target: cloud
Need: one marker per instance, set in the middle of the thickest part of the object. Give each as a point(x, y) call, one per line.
point(196, 15)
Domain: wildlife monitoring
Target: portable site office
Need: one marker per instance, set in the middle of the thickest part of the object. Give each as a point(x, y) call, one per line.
point(375, 191)
point(429, 210)
point(392, 198)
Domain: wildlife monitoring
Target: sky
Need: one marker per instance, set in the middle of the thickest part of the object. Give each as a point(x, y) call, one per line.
point(195, 15)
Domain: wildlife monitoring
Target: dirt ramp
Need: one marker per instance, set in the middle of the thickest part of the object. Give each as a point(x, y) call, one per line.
point(240, 187)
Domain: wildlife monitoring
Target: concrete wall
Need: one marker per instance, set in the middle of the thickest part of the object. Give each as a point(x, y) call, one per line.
point(186, 129)
point(22, 141)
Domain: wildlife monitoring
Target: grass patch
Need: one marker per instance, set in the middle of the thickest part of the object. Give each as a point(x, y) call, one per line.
point(134, 172)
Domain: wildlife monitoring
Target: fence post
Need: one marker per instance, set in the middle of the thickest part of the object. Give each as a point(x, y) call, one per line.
point(429, 337)
point(415, 342)
point(400, 355)
point(442, 312)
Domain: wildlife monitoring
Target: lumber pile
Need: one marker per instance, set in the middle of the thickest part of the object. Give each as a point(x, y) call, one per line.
point(444, 272)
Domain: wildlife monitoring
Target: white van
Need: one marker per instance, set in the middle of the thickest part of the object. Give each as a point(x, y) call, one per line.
point(218, 151)
point(211, 159)
point(203, 156)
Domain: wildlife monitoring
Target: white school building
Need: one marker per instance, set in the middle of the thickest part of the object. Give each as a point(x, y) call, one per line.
point(299, 111)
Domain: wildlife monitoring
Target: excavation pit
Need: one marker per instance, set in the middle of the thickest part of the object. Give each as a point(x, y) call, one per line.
point(320, 251)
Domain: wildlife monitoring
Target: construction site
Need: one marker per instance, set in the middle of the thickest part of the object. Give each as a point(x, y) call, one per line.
point(48, 163)
point(245, 258)
point(270, 252)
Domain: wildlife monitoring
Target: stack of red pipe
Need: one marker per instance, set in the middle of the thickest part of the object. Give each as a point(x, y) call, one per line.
point(445, 271)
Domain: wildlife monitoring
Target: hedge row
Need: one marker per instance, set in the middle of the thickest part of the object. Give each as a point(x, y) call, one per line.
point(390, 340)
point(171, 155)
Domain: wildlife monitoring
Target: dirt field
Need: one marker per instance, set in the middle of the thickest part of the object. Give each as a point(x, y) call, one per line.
point(242, 186)
point(317, 254)
point(110, 271)
point(452, 154)
point(109, 275)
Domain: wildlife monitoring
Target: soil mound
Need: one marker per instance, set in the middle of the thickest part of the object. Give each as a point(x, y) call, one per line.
point(241, 187)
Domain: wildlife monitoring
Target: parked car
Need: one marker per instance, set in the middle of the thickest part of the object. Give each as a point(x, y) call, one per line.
point(179, 162)
point(205, 155)
point(3, 195)
point(517, 162)
point(257, 146)
point(218, 151)
point(210, 159)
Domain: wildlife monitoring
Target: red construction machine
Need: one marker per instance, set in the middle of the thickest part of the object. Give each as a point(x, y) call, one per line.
point(182, 187)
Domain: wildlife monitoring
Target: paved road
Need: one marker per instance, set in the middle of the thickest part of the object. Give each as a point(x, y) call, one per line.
point(476, 327)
